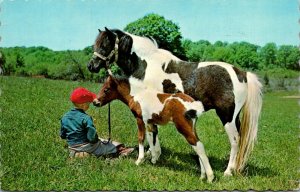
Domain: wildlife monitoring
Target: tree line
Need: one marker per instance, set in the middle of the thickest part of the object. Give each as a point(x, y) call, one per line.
point(71, 64)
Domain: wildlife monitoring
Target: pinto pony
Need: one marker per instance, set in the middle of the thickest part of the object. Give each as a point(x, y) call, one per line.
point(179, 108)
point(217, 85)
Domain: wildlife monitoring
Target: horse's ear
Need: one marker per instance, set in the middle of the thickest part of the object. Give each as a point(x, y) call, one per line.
point(112, 80)
point(109, 32)
point(126, 43)
point(99, 30)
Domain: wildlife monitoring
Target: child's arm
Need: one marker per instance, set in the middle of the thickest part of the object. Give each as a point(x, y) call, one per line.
point(92, 135)
point(63, 133)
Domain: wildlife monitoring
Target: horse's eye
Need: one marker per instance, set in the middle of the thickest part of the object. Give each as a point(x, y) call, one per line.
point(106, 90)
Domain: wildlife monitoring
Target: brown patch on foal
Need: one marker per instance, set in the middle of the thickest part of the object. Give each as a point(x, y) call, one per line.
point(175, 111)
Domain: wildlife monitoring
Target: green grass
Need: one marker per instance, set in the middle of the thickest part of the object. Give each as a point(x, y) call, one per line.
point(33, 157)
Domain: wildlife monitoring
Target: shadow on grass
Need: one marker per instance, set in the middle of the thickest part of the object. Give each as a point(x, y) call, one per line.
point(182, 161)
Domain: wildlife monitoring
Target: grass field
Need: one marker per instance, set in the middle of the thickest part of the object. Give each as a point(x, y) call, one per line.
point(33, 157)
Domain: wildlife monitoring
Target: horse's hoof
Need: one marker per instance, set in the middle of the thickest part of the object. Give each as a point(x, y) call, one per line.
point(227, 173)
point(202, 177)
point(153, 161)
point(139, 161)
point(148, 153)
point(210, 178)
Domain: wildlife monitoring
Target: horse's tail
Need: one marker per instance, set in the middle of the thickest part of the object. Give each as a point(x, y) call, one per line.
point(249, 123)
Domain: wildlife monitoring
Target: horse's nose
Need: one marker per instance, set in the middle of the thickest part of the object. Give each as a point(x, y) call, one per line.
point(96, 103)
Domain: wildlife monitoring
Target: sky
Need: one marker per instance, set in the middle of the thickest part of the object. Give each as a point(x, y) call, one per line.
point(73, 24)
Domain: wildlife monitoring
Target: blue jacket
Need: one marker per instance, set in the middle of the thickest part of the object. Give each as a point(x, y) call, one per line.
point(78, 127)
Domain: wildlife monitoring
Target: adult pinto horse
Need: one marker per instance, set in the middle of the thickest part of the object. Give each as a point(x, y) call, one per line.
point(217, 85)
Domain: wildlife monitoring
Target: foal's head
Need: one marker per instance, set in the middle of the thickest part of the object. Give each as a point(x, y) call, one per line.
point(112, 89)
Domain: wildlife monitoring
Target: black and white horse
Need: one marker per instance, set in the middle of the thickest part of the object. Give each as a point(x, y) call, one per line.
point(217, 85)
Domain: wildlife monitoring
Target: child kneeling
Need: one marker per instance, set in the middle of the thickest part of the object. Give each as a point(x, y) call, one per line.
point(78, 129)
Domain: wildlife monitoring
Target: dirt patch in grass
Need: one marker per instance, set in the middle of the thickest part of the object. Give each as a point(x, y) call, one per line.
point(292, 97)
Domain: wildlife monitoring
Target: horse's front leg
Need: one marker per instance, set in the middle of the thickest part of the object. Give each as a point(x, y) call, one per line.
point(152, 137)
point(141, 138)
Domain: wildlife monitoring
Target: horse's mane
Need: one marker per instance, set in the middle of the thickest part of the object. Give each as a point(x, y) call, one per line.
point(98, 40)
point(148, 45)
point(154, 41)
point(103, 34)
point(143, 46)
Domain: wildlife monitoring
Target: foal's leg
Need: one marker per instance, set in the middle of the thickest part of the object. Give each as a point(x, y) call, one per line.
point(204, 162)
point(203, 173)
point(186, 129)
point(141, 138)
point(152, 137)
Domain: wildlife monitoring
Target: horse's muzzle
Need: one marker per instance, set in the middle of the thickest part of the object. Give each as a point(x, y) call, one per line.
point(96, 103)
point(92, 67)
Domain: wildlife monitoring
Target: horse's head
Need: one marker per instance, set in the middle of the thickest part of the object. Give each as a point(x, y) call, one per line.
point(104, 50)
point(108, 46)
point(113, 89)
point(108, 92)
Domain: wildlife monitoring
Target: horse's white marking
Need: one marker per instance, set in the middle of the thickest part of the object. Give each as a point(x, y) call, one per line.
point(154, 74)
point(154, 149)
point(149, 103)
point(234, 142)
point(141, 155)
point(195, 105)
point(142, 46)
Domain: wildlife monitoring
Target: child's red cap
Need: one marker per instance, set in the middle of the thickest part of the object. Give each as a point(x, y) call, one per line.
point(81, 95)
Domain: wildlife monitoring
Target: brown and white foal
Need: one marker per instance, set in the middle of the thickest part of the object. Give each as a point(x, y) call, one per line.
point(178, 108)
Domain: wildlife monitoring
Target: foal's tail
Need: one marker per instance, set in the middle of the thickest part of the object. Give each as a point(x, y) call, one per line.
point(249, 123)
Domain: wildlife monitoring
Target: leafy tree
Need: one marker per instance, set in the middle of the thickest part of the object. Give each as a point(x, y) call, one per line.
point(195, 50)
point(288, 57)
point(88, 50)
point(20, 61)
point(165, 32)
point(268, 55)
point(244, 55)
point(2, 62)
point(220, 44)
point(222, 54)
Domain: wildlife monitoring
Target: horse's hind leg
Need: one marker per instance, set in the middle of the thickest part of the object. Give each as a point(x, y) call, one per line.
point(231, 129)
point(233, 135)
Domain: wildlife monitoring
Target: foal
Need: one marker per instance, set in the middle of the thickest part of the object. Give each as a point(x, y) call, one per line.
point(179, 108)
